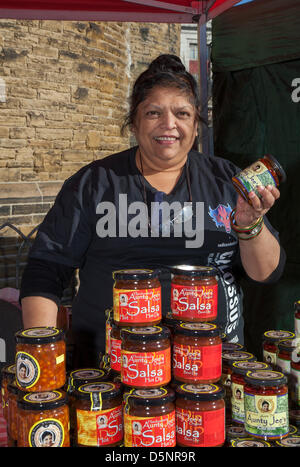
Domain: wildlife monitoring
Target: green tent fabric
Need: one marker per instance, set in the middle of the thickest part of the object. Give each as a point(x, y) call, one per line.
point(256, 81)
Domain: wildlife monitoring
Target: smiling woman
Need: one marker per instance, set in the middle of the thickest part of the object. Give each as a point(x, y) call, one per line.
point(103, 218)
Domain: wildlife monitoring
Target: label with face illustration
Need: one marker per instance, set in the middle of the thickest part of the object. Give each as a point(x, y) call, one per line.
point(266, 415)
point(194, 302)
point(256, 175)
point(137, 306)
point(27, 370)
point(46, 433)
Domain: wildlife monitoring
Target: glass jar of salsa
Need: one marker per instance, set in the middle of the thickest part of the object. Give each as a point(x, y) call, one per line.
point(197, 353)
point(99, 414)
point(270, 341)
point(286, 347)
point(146, 356)
point(12, 414)
point(263, 172)
point(200, 415)
point(40, 359)
point(44, 420)
point(8, 375)
point(194, 293)
point(137, 297)
point(266, 404)
point(149, 418)
point(239, 370)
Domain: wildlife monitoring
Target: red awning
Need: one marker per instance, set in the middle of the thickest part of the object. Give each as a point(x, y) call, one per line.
point(156, 11)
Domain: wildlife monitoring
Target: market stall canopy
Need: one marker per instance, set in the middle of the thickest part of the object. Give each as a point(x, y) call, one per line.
point(156, 11)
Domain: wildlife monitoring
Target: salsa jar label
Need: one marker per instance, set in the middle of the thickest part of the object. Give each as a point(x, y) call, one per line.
point(266, 415)
point(27, 370)
point(137, 306)
point(237, 402)
point(100, 428)
point(194, 301)
point(146, 368)
point(46, 433)
point(150, 431)
point(200, 429)
point(115, 354)
point(197, 362)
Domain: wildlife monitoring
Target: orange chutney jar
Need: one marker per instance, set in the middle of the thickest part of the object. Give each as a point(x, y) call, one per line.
point(8, 375)
point(43, 420)
point(40, 359)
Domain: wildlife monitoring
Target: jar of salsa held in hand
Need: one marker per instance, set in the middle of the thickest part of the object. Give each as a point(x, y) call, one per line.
point(40, 359)
point(194, 293)
point(146, 356)
point(263, 172)
point(136, 297)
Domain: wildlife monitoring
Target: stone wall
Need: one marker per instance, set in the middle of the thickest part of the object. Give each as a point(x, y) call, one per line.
point(63, 94)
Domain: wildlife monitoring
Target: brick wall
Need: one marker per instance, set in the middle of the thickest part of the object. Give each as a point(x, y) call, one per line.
point(63, 95)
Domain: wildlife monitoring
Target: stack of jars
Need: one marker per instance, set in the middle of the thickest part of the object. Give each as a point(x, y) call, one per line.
point(160, 360)
point(40, 411)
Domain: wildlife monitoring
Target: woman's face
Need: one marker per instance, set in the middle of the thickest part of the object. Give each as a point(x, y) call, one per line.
point(165, 126)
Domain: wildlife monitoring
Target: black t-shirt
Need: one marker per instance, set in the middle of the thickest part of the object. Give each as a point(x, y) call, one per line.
point(105, 197)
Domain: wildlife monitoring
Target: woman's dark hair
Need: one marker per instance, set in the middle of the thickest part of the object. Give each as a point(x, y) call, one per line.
point(168, 71)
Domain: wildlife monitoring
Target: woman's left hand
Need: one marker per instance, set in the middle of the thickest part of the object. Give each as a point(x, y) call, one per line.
point(247, 214)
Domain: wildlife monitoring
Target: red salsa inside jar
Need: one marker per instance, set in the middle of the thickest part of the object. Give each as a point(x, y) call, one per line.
point(194, 293)
point(136, 297)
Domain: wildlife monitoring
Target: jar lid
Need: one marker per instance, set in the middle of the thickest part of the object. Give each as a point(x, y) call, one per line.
point(198, 329)
point(231, 346)
point(107, 390)
point(82, 376)
point(237, 355)
point(150, 396)
point(288, 345)
point(147, 333)
point(194, 271)
point(201, 392)
point(43, 400)
point(275, 336)
point(130, 274)
point(292, 441)
point(39, 335)
point(276, 166)
point(235, 431)
point(249, 442)
point(265, 378)
point(242, 367)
